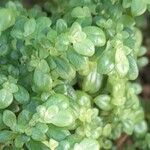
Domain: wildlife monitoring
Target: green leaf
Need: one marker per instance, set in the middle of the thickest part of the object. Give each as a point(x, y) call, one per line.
point(103, 102)
point(20, 140)
point(96, 35)
point(141, 128)
point(107, 130)
point(83, 99)
point(52, 35)
point(61, 26)
point(43, 66)
point(133, 68)
point(2, 125)
point(7, 18)
point(57, 133)
point(3, 78)
point(148, 139)
point(87, 144)
point(128, 126)
point(147, 1)
point(29, 27)
point(9, 118)
point(92, 82)
point(78, 61)
point(127, 20)
point(105, 63)
point(42, 81)
point(38, 135)
point(107, 144)
point(6, 136)
point(63, 118)
point(118, 100)
point(34, 145)
point(62, 42)
point(79, 12)
point(46, 114)
point(138, 7)
point(52, 115)
point(126, 3)
point(60, 100)
point(42, 23)
point(85, 47)
point(6, 98)
point(64, 69)
point(24, 117)
point(11, 87)
point(75, 34)
point(121, 62)
point(22, 95)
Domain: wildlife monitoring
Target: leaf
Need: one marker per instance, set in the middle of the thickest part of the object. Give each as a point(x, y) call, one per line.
point(46, 114)
point(75, 34)
point(20, 140)
point(61, 26)
point(138, 7)
point(105, 63)
point(52, 35)
point(42, 23)
point(6, 98)
point(7, 18)
point(141, 128)
point(62, 42)
point(34, 145)
point(127, 20)
point(79, 12)
point(103, 102)
point(85, 47)
point(9, 118)
point(42, 81)
point(96, 35)
point(24, 117)
point(126, 3)
point(107, 144)
point(2, 125)
point(107, 130)
point(43, 66)
point(121, 62)
point(87, 144)
point(147, 1)
point(22, 95)
point(128, 126)
point(63, 118)
point(133, 68)
point(29, 27)
point(10, 87)
point(59, 100)
point(83, 99)
point(78, 61)
point(148, 139)
point(57, 133)
point(38, 135)
point(6, 136)
point(64, 69)
point(92, 82)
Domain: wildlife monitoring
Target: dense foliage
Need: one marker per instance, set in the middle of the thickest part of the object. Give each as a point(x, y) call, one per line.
point(67, 72)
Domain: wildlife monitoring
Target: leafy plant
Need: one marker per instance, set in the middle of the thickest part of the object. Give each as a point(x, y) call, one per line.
point(67, 72)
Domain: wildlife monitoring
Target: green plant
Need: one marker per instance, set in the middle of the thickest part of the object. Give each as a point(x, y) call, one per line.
point(67, 72)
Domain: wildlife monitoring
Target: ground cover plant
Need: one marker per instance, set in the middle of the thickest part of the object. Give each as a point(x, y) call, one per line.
point(67, 71)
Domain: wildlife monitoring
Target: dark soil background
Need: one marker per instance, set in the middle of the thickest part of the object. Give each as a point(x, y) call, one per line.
point(145, 72)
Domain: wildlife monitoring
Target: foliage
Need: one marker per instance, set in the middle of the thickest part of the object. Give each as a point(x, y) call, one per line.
point(67, 72)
